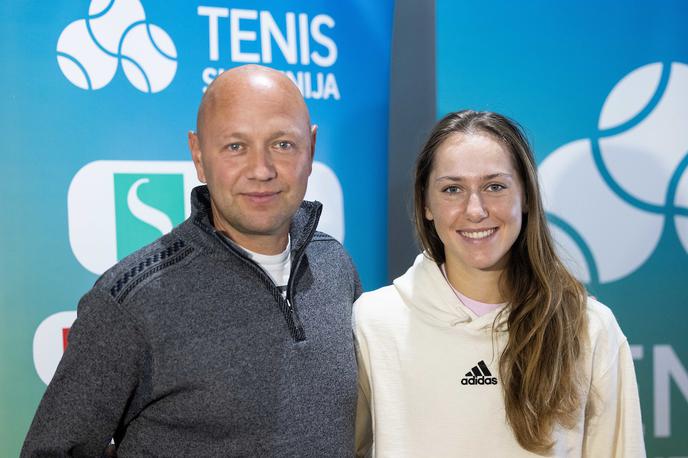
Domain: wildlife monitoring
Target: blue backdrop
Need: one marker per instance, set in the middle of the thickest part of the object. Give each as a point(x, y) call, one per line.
point(97, 99)
point(602, 90)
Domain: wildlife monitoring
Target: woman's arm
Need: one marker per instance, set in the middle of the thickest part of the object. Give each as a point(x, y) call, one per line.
point(364, 427)
point(615, 428)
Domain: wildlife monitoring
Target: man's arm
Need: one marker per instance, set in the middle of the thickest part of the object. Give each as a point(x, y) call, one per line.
point(98, 374)
point(358, 288)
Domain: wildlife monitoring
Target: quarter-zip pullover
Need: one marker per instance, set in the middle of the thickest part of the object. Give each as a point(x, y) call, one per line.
point(187, 348)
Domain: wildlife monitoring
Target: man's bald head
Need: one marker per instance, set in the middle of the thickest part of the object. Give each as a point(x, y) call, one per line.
point(264, 82)
point(254, 149)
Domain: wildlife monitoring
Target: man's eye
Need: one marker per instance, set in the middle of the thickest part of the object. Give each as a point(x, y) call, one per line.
point(284, 145)
point(234, 146)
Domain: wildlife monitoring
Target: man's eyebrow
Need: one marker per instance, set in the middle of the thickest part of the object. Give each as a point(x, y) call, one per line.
point(233, 135)
point(491, 176)
point(284, 132)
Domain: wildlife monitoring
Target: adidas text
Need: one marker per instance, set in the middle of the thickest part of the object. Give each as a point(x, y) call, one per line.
point(479, 381)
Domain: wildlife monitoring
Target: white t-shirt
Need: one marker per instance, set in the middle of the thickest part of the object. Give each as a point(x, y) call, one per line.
point(477, 307)
point(277, 266)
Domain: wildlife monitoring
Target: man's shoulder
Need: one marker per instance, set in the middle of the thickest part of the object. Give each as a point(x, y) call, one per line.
point(323, 237)
point(332, 257)
point(323, 244)
point(152, 260)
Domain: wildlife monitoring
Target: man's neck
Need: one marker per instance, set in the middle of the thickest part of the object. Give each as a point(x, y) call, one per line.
point(267, 244)
point(261, 244)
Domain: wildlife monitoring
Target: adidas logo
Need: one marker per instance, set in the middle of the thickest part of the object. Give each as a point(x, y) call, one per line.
point(479, 375)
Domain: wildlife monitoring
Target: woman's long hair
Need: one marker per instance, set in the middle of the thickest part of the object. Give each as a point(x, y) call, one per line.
point(540, 365)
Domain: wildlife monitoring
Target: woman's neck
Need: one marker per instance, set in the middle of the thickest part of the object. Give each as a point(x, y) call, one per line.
point(480, 285)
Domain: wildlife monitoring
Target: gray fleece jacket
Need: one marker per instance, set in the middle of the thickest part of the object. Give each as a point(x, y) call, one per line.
point(187, 348)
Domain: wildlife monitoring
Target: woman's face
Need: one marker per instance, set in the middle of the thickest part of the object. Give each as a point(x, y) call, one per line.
point(476, 201)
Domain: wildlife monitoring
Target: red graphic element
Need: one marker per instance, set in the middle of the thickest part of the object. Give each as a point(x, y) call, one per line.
point(65, 335)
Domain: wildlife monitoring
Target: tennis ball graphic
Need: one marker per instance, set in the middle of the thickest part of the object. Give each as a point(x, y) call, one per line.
point(109, 23)
point(681, 202)
point(89, 50)
point(149, 58)
point(83, 63)
point(643, 155)
point(608, 197)
point(591, 218)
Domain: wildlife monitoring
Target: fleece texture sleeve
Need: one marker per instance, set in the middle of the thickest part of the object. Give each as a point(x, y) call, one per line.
point(615, 427)
point(364, 427)
point(94, 381)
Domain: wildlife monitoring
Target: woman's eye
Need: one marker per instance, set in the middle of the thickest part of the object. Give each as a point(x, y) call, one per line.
point(451, 189)
point(494, 187)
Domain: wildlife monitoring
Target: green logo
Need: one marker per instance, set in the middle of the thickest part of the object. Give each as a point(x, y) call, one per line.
point(146, 207)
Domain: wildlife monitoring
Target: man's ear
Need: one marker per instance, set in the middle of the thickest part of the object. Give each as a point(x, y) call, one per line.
point(196, 155)
point(314, 134)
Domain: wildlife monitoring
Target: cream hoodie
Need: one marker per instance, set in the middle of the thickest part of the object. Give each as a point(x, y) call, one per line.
point(424, 390)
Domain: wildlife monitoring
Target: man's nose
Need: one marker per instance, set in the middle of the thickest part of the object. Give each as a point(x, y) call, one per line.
point(261, 165)
point(475, 208)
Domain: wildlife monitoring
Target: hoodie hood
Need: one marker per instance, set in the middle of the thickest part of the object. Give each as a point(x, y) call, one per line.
point(425, 290)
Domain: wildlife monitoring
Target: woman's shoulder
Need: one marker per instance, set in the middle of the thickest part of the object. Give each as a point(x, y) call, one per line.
point(601, 319)
point(376, 300)
point(379, 306)
point(604, 333)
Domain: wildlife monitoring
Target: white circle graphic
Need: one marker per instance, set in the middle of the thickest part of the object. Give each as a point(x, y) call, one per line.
point(146, 67)
point(611, 196)
point(83, 63)
point(90, 50)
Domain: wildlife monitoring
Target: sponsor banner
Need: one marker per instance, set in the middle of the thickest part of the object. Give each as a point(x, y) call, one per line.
point(98, 98)
point(116, 207)
point(603, 95)
point(50, 342)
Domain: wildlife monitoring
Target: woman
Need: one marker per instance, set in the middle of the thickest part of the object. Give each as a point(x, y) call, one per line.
point(487, 345)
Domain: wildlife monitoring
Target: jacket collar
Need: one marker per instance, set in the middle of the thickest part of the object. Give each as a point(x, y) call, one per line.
point(301, 230)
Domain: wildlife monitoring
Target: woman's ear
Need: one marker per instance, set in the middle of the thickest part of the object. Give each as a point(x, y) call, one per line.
point(524, 205)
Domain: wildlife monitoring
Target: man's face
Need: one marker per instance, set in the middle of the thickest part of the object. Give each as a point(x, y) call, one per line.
point(255, 151)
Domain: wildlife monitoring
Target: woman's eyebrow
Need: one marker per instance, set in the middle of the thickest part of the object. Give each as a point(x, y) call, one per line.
point(490, 176)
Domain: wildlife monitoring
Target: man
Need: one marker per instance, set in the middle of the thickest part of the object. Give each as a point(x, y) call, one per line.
point(230, 336)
